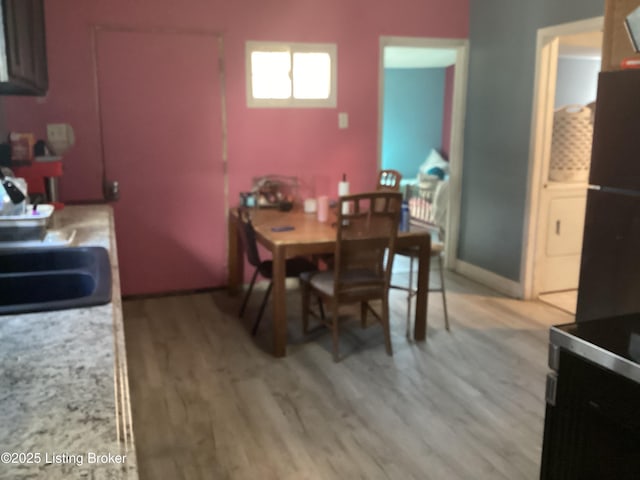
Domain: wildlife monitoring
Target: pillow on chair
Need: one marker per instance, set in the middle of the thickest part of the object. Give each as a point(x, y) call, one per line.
point(434, 160)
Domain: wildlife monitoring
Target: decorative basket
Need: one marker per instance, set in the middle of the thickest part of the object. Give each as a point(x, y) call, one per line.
point(272, 190)
point(571, 144)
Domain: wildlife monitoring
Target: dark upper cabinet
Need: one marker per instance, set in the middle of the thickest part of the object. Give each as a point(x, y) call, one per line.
point(23, 62)
point(610, 265)
point(615, 157)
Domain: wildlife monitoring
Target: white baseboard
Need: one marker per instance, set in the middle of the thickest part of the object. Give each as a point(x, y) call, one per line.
point(492, 280)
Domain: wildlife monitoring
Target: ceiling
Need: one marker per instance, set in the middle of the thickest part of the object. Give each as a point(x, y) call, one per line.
point(418, 57)
point(583, 45)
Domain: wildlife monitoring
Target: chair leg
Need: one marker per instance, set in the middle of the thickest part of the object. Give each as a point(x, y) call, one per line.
point(321, 307)
point(409, 297)
point(305, 306)
point(385, 325)
point(444, 296)
point(363, 314)
point(334, 330)
point(254, 330)
point(248, 294)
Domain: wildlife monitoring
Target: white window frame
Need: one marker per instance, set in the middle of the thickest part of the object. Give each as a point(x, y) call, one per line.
point(291, 102)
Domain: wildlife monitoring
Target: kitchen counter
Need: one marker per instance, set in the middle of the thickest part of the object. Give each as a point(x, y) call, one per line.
point(592, 426)
point(64, 395)
point(611, 343)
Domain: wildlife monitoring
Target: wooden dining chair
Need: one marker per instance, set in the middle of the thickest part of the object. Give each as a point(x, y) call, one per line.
point(293, 266)
point(361, 272)
point(389, 180)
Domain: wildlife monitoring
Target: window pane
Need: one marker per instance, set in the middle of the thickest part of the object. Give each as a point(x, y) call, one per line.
point(271, 74)
point(311, 75)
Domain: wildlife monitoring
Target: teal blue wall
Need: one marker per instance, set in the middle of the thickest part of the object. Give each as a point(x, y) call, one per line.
point(502, 39)
point(412, 124)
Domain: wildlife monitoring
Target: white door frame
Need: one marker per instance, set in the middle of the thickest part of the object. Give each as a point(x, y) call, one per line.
point(540, 140)
point(457, 126)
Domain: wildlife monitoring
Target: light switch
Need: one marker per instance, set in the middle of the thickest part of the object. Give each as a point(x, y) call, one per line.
point(343, 120)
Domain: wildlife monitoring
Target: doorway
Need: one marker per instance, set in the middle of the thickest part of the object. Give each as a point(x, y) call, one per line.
point(432, 74)
point(567, 66)
point(159, 98)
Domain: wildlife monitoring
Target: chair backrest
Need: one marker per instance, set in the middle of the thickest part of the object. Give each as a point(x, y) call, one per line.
point(248, 237)
point(364, 235)
point(389, 180)
point(428, 206)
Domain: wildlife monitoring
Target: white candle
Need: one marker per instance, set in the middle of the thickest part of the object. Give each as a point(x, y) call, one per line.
point(343, 189)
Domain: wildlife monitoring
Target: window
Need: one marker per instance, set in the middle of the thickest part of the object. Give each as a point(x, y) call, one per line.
point(291, 74)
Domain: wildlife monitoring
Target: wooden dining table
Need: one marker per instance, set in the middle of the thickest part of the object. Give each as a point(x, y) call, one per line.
point(310, 237)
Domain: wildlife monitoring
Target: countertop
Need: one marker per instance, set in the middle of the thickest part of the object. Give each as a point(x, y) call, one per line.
point(612, 343)
point(64, 396)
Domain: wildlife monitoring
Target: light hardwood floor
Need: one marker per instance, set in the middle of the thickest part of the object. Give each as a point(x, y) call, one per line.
point(209, 402)
point(566, 300)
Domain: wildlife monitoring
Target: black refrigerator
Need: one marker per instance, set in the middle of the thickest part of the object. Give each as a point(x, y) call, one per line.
point(610, 267)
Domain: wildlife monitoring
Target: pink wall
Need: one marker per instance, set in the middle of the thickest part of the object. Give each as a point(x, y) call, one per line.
point(448, 106)
point(299, 142)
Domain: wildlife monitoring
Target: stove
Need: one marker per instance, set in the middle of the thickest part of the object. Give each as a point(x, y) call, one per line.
point(612, 343)
point(592, 418)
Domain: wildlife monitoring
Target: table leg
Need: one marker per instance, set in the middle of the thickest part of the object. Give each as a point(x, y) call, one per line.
point(235, 258)
point(279, 303)
point(424, 259)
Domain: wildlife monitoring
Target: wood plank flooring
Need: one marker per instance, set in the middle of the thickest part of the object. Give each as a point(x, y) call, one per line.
point(209, 401)
point(566, 300)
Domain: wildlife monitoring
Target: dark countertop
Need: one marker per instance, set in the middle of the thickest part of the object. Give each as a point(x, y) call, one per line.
point(612, 343)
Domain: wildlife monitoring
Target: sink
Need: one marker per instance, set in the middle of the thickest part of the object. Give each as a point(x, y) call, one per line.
point(51, 259)
point(33, 280)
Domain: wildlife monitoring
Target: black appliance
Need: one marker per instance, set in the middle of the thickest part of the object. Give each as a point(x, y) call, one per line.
point(610, 267)
point(592, 420)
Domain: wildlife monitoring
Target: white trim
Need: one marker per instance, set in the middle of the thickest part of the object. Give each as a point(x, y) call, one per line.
point(329, 48)
point(501, 284)
point(540, 140)
point(571, 28)
point(458, 110)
